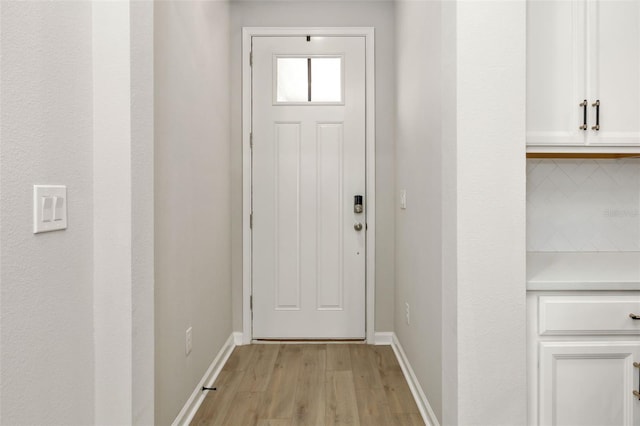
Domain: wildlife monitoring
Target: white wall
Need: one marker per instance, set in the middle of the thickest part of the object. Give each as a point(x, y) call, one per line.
point(460, 244)
point(123, 211)
point(484, 350)
point(378, 14)
point(418, 171)
point(449, 98)
point(46, 296)
point(141, 24)
point(192, 177)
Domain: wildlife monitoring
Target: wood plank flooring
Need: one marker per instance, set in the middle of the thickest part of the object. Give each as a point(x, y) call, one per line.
point(291, 385)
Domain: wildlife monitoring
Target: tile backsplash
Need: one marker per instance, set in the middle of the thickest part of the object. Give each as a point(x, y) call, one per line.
point(583, 205)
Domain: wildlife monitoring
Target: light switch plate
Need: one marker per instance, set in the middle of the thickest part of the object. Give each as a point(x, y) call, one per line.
point(403, 199)
point(49, 208)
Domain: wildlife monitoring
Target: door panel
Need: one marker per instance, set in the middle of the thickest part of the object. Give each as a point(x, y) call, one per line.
point(614, 28)
point(308, 162)
point(589, 383)
point(286, 167)
point(556, 82)
point(330, 206)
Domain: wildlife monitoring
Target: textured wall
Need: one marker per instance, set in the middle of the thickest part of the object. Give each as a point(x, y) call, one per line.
point(378, 14)
point(490, 214)
point(192, 222)
point(123, 211)
point(583, 205)
point(46, 298)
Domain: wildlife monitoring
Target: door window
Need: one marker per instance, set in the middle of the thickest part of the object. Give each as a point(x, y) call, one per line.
point(303, 80)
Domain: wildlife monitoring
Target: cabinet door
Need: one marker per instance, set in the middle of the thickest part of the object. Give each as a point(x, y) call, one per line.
point(589, 383)
point(614, 68)
point(556, 84)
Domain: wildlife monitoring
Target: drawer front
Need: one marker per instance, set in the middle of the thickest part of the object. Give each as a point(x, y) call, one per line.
point(563, 315)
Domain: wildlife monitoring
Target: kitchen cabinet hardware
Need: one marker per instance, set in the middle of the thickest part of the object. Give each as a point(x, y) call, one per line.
point(634, 316)
point(597, 105)
point(636, 393)
point(583, 104)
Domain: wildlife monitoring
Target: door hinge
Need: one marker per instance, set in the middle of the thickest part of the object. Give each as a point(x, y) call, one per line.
point(251, 140)
point(251, 221)
point(251, 302)
point(251, 58)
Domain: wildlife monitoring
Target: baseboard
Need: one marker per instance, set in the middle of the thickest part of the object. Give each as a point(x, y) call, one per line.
point(383, 338)
point(237, 338)
point(195, 400)
point(426, 411)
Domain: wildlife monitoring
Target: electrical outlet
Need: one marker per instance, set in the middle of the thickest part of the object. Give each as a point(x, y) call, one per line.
point(188, 341)
point(407, 313)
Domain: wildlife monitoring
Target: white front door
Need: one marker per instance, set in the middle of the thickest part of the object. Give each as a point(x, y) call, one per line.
point(308, 130)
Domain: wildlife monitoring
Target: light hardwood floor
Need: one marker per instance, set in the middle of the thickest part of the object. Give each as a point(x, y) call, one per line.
point(290, 385)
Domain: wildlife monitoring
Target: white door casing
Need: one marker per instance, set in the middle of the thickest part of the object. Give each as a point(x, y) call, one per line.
point(306, 261)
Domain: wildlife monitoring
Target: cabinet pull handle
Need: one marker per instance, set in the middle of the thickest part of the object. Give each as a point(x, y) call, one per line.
point(584, 104)
point(634, 316)
point(635, 392)
point(597, 105)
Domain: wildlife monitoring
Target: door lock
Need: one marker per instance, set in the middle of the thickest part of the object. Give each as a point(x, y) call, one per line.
point(357, 204)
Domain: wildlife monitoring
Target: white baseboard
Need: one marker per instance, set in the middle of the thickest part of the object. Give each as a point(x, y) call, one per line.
point(237, 338)
point(383, 338)
point(195, 400)
point(426, 411)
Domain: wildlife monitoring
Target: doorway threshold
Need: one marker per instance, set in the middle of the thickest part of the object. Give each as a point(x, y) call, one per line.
point(307, 341)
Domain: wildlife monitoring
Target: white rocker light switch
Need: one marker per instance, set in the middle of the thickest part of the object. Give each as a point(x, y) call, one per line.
point(49, 208)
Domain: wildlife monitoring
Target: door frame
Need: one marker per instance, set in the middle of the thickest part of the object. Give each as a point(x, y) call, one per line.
point(370, 162)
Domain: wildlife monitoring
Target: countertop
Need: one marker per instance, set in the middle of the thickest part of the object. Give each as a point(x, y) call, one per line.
point(583, 271)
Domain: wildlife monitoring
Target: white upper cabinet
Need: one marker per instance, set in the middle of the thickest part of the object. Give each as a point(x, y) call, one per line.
point(614, 71)
point(555, 72)
point(583, 76)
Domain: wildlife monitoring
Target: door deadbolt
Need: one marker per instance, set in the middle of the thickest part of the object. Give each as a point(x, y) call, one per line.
point(357, 226)
point(357, 204)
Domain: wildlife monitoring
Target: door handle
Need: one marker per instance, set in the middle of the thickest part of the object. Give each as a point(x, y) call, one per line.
point(635, 392)
point(357, 226)
point(597, 105)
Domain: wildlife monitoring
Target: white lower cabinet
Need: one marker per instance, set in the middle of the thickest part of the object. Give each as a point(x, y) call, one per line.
point(582, 373)
point(588, 383)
